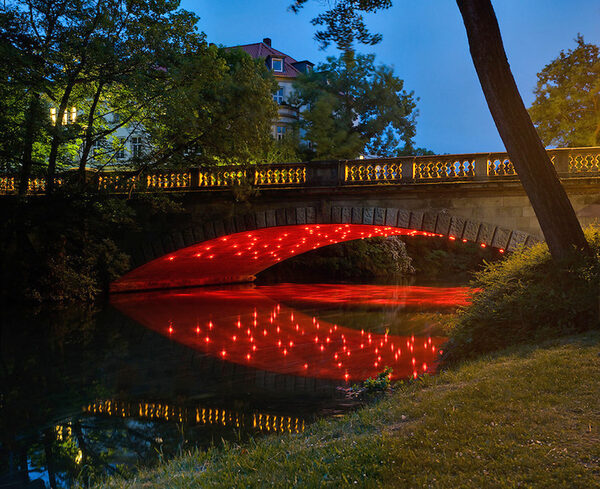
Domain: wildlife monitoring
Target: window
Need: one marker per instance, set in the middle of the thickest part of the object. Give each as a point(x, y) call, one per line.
point(277, 64)
point(280, 132)
point(278, 97)
point(69, 116)
point(116, 118)
point(137, 146)
point(120, 153)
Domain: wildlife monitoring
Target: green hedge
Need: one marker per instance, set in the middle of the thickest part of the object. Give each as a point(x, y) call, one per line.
point(525, 298)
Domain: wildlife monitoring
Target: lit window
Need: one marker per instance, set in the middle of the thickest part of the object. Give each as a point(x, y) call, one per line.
point(278, 97)
point(69, 116)
point(277, 64)
point(137, 146)
point(280, 132)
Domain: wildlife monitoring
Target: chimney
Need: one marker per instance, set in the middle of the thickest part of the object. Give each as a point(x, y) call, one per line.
point(267, 41)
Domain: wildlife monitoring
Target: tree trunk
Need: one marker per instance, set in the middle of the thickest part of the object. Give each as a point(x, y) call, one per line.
point(548, 198)
point(89, 133)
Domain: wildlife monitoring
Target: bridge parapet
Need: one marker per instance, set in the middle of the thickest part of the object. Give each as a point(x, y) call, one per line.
point(480, 167)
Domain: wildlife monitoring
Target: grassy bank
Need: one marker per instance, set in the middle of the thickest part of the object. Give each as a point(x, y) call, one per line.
point(528, 418)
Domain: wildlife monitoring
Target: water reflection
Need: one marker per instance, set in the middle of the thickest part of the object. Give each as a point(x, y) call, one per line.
point(88, 393)
point(255, 327)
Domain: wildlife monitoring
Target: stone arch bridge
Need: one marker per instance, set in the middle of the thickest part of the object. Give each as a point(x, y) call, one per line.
point(302, 206)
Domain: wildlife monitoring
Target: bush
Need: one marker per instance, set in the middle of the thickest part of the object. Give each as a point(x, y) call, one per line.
point(527, 297)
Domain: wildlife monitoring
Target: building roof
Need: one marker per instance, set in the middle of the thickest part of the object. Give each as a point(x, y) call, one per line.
point(263, 50)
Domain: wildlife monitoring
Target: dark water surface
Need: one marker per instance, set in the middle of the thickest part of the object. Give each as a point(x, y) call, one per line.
point(85, 393)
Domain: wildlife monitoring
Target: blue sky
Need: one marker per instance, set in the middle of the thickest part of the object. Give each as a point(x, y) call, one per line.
point(425, 42)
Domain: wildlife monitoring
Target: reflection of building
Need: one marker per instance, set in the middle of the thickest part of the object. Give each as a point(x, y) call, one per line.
point(285, 69)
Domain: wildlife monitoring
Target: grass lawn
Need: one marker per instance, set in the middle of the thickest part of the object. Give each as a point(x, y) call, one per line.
point(529, 417)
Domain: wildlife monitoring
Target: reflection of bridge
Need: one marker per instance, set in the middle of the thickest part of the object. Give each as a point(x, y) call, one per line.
point(472, 197)
point(196, 415)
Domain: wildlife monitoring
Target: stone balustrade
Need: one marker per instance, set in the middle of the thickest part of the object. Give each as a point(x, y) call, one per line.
point(476, 167)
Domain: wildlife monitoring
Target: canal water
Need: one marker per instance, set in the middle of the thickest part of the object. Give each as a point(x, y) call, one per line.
point(93, 392)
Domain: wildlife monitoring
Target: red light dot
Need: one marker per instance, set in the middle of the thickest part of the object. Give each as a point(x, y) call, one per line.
point(223, 353)
point(207, 339)
point(171, 258)
point(482, 245)
point(253, 347)
point(306, 365)
point(501, 250)
point(248, 356)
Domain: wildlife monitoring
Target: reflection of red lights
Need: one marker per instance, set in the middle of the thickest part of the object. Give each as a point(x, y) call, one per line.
point(285, 348)
point(238, 257)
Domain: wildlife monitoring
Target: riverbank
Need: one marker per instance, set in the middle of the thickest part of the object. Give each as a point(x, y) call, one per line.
point(527, 417)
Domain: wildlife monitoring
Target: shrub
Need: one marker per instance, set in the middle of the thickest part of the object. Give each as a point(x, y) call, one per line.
point(527, 297)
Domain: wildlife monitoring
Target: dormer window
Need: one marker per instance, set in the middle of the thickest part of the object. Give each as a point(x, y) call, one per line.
point(277, 64)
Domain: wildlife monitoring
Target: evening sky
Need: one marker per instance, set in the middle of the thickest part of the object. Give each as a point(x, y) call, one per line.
point(425, 42)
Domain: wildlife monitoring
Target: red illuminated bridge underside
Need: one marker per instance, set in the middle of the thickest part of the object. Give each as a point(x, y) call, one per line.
point(238, 257)
point(247, 327)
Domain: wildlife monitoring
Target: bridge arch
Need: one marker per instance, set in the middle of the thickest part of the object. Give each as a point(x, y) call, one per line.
point(235, 249)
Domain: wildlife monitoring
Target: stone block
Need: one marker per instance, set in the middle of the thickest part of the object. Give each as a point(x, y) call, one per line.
point(416, 220)
point(429, 221)
point(379, 217)
point(471, 230)
point(281, 219)
point(517, 239)
point(531, 240)
point(486, 234)
point(240, 224)
point(403, 220)
point(290, 216)
point(178, 240)
point(209, 230)
point(311, 215)
point(168, 245)
point(336, 215)
point(368, 215)
point(443, 224)
point(501, 238)
point(346, 215)
point(157, 248)
point(229, 225)
point(147, 251)
point(250, 222)
point(301, 215)
point(270, 218)
point(357, 217)
point(457, 226)
point(188, 237)
point(391, 217)
point(219, 228)
point(198, 234)
point(261, 219)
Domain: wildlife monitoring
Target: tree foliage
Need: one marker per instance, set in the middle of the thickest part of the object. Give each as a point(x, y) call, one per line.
point(220, 108)
point(566, 111)
point(354, 106)
point(77, 71)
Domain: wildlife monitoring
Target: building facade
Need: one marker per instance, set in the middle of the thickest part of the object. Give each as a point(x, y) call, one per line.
point(285, 69)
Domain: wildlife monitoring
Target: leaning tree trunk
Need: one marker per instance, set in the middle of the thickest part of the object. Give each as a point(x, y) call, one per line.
point(549, 200)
